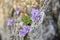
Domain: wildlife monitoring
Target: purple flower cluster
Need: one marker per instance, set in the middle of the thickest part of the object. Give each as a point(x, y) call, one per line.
point(24, 30)
point(35, 13)
point(9, 21)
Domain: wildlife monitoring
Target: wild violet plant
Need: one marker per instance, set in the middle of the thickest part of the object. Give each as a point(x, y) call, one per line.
point(27, 21)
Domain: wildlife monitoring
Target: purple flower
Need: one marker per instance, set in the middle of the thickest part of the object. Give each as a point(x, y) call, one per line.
point(22, 32)
point(35, 14)
point(27, 28)
point(9, 22)
point(17, 11)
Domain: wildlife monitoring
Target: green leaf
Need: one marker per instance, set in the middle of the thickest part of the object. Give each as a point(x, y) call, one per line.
point(26, 20)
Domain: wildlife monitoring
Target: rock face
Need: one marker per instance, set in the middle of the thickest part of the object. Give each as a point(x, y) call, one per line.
point(59, 21)
point(46, 28)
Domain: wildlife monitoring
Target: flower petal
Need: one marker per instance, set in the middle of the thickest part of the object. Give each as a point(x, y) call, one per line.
point(22, 32)
point(9, 21)
point(27, 28)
